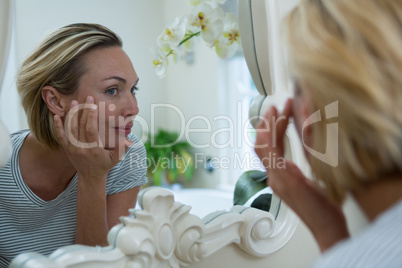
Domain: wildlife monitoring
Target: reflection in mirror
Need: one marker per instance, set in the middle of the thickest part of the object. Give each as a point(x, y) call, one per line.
point(260, 35)
point(227, 93)
point(188, 89)
point(275, 205)
point(247, 170)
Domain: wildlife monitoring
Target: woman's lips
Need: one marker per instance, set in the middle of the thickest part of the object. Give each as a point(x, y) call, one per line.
point(124, 130)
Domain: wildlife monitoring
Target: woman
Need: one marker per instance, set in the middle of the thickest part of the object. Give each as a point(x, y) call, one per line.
point(78, 168)
point(345, 55)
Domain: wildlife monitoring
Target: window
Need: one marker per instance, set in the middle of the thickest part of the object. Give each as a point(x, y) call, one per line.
point(240, 92)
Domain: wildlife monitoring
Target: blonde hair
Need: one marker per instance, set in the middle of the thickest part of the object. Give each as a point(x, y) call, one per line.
point(57, 62)
point(350, 51)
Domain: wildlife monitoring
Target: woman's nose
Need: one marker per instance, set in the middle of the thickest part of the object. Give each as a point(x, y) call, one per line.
point(130, 106)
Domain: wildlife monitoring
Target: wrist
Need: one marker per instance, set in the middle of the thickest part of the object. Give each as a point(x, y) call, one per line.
point(330, 236)
point(92, 182)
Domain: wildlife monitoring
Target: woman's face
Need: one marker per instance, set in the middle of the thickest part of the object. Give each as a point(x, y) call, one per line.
point(111, 80)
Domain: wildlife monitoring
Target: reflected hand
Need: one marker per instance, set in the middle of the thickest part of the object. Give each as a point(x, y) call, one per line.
point(79, 137)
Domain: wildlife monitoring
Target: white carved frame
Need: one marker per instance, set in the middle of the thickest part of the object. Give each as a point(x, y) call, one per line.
point(165, 234)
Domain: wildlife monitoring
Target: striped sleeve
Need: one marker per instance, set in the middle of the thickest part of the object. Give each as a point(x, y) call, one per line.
point(130, 171)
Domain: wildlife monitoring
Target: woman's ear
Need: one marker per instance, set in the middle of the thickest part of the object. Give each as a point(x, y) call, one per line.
point(53, 100)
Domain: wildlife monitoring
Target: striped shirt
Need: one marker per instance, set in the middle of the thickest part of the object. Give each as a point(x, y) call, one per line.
point(379, 245)
point(30, 224)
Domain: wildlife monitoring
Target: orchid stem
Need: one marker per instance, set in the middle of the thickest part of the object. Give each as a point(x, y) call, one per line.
point(189, 36)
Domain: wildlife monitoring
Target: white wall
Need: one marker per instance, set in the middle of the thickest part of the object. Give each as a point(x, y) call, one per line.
point(136, 21)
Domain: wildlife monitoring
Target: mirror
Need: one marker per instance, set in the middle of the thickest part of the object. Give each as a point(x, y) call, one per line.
point(207, 101)
point(260, 27)
point(201, 100)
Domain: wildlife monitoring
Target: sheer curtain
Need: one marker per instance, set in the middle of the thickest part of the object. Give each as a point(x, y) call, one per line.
point(6, 13)
point(10, 108)
point(5, 33)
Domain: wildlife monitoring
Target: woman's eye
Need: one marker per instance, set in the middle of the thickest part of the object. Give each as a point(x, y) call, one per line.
point(112, 91)
point(134, 89)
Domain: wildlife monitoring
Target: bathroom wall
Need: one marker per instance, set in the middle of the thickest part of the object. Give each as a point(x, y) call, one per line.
point(129, 18)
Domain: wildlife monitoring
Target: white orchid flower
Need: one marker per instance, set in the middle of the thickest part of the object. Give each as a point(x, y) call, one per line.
point(163, 45)
point(195, 2)
point(192, 37)
point(206, 21)
point(209, 20)
point(214, 2)
point(223, 49)
point(159, 61)
point(172, 35)
point(192, 42)
point(228, 43)
point(231, 28)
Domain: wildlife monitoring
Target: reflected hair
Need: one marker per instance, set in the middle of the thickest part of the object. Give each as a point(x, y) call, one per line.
point(58, 62)
point(350, 51)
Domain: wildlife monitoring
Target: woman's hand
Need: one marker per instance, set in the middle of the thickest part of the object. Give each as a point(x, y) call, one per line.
point(324, 218)
point(270, 148)
point(79, 137)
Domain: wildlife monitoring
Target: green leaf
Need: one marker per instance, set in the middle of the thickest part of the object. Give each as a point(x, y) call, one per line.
point(157, 177)
point(167, 148)
point(172, 172)
point(249, 183)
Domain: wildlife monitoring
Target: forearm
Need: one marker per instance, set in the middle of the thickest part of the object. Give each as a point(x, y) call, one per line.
point(92, 227)
point(324, 219)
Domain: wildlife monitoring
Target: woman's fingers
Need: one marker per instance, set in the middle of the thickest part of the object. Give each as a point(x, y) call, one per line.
point(71, 123)
point(61, 134)
point(263, 143)
point(91, 128)
point(263, 135)
point(80, 126)
point(83, 120)
point(267, 130)
point(280, 127)
point(283, 120)
point(118, 152)
point(271, 132)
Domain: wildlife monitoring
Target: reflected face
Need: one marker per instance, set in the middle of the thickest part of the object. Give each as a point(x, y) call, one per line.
point(111, 80)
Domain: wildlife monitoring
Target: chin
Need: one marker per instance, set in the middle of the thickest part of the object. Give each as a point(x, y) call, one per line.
point(113, 138)
point(110, 145)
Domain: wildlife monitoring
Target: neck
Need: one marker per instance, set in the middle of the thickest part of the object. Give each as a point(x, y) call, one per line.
point(46, 172)
point(379, 196)
point(42, 157)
